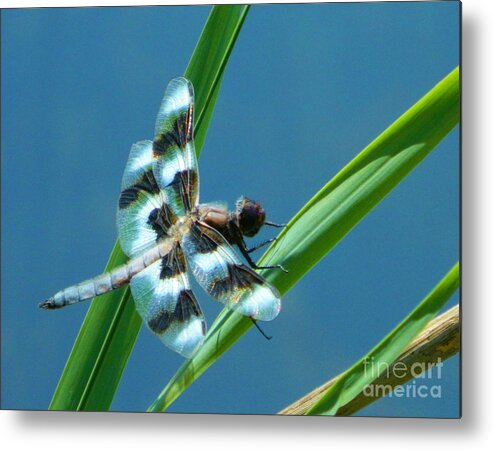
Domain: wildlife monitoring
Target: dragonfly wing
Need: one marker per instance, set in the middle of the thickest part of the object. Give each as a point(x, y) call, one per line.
point(175, 163)
point(143, 216)
point(167, 305)
point(219, 270)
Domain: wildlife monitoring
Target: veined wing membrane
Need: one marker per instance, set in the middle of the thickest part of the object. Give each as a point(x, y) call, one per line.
point(175, 167)
point(142, 216)
point(167, 305)
point(221, 273)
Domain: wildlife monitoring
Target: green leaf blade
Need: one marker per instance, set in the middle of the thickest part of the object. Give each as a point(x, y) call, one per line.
point(208, 62)
point(102, 342)
point(354, 380)
point(333, 212)
point(109, 331)
point(364, 182)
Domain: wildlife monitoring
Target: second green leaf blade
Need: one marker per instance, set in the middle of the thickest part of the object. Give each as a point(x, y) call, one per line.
point(333, 212)
point(355, 379)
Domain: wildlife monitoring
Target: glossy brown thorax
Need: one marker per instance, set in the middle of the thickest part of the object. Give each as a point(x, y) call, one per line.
point(214, 216)
point(246, 220)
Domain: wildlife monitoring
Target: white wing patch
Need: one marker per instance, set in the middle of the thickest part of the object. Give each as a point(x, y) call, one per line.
point(139, 161)
point(177, 98)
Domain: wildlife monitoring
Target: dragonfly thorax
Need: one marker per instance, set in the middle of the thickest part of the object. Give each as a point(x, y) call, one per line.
point(215, 216)
point(246, 220)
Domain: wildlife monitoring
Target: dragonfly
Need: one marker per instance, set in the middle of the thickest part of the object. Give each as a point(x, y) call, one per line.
point(167, 233)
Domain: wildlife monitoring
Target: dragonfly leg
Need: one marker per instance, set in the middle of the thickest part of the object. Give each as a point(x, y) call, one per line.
point(260, 329)
point(246, 254)
point(256, 247)
point(275, 225)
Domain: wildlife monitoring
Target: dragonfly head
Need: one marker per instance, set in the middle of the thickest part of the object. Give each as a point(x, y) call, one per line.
point(250, 216)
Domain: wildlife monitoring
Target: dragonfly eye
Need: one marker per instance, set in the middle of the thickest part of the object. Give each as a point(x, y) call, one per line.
point(251, 216)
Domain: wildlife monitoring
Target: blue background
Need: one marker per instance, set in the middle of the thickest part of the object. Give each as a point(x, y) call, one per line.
point(306, 88)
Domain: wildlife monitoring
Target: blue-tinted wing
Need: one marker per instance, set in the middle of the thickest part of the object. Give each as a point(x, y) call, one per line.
point(175, 167)
point(143, 215)
point(219, 270)
point(167, 305)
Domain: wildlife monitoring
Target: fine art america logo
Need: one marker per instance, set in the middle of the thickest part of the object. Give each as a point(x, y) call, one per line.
point(389, 379)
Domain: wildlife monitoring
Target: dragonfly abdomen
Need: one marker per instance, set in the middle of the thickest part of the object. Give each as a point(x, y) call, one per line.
point(105, 282)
